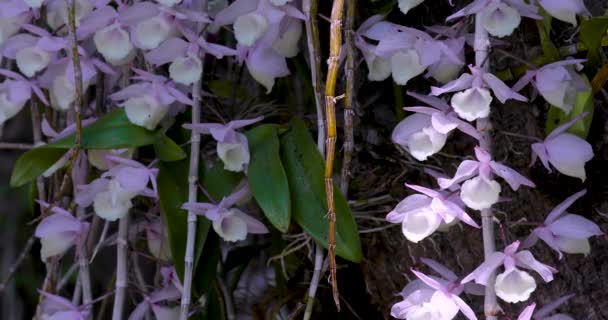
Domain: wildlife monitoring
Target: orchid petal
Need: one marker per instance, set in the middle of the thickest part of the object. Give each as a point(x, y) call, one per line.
point(525, 259)
point(466, 170)
point(575, 227)
point(482, 273)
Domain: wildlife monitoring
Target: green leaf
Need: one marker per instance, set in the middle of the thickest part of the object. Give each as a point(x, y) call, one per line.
point(591, 34)
point(220, 182)
point(304, 167)
point(584, 103)
point(33, 163)
point(267, 177)
point(544, 32)
point(167, 150)
point(226, 89)
point(112, 131)
point(207, 270)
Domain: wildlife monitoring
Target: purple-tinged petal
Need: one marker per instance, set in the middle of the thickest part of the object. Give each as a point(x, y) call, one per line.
point(464, 307)
point(443, 123)
point(472, 8)
point(179, 96)
point(465, 127)
point(501, 90)
point(482, 273)
point(525, 259)
point(431, 101)
point(264, 65)
point(138, 12)
point(512, 177)
point(168, 51)
point(140, 311)
point(86, 193)
point(458, 212)
point(17, 42)
point(547, 309)
point(216, 50)
point(440, 269)
point(95, 21)
point(428, 280)
point(524, 80)
point(60, 303)
point(564, 127)
point(253, 225)
point(292, 11)
point(466, 170)
point(465, 81)
point(568, 154)
point(410, 203)
point(429, 192)
point(526, 314)
point(549, 239)
point(539, 150)
point(236, 124)
point(56, 224)
point(235, 10)
point(574, 226)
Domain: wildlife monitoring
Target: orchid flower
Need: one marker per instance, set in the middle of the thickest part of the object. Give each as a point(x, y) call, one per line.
point(152, 301)
point(565, 232)
point(59, 231)
point(185, 55)
point(229, 223)
point(513, 285)
point(147, 101)
point(473, 99)
point(158, 241)
point(408, 51)
point(57, 12)
point(232, 147)
point(15, 91)
point(557, 82)
point(425, 132)
point(423, 213)
point(31, 53)
point(440, 301)
point(566, 152)
point(9, 26)
point(266, 35)
point(59, 308)
point(565, 10)
point(445, 69)
point(499, 17)
point(480, 191)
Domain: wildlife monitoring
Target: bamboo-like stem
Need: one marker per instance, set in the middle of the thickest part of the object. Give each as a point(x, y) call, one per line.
point(335, 43)
point(310, 9)
point(121, 268)
point(349, 136)
point(195, 140)
point(484, 126)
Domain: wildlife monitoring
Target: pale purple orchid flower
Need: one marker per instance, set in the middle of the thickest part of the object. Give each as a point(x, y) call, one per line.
point(9, 26)
point(565, 10)
point(425, 132)
point(32, 53)
point(565, 232)
point(148, 101)
point(15, 91)
point(431, 298)
point(232, 146)
point(499, 17)
point(229, 223)
point(566, 152)
point(557, 82)
point(423, 213)
point(480, 191)
point(60, 231)
point(185, 55)
point(57, 13)
point(266, 34)
point(513, 285)
point(59, 308)
point(153, 300)
point(401, 51)
point(473, 99)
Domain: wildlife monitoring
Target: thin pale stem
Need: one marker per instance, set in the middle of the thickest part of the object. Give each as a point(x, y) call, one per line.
point(484, 126)
point(310, 8)
point(15, 266)
point(335, 44)
point(195, 141)
point(314, 282)
point(121, 268)
point(349, 136)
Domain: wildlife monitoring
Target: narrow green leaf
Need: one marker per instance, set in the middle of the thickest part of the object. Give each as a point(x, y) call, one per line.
point(167, 150)
point(304, 167)
point(267, 177)
point(33, 163)
point(584, 103)
point(591, 34)
point(220, 182)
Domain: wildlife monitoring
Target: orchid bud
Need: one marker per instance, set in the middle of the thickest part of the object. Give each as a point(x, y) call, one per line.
point(113, 203)
point(249, 28)
point(472, 104)
point(514, 285)
point(287, 43)
point(405, 65)
point(480, 193)
point(114, 44)
point(235, 155)
point(150, 33)
point(145, 111)
point(407, 5)
point(186, 70)
point(31, 60)
point(499, 19)
point(97, 157)
point(62, 93)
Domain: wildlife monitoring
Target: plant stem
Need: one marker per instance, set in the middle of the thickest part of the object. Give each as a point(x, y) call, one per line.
point(310, 9)
point(121, 268)
point(314, 282)
point(484, 126)
point(349, 137)
point(195, 141)
point(335, 43)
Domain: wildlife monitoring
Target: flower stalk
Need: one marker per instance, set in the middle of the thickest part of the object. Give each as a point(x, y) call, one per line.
point(349, 137)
